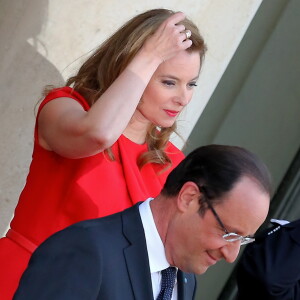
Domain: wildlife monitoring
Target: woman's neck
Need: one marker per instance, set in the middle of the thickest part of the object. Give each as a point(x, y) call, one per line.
point(136, 131)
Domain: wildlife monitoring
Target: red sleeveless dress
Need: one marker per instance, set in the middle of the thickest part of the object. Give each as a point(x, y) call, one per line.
point(61, 191)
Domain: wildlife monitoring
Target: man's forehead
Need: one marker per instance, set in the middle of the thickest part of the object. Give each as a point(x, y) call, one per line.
point(245, 207)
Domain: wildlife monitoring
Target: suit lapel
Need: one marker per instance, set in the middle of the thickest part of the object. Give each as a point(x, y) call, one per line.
point(136, 254)
point(186, 286)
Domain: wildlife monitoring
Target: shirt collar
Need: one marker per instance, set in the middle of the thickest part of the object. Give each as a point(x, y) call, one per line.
point(155, 246)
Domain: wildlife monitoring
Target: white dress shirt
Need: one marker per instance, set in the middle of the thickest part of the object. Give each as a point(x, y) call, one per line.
point(156, 250)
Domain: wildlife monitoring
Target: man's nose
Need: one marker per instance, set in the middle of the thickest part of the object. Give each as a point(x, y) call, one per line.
point(230, 251)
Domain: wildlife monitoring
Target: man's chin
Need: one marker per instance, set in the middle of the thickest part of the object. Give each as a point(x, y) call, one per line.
point(201, 270)
point(196, 270)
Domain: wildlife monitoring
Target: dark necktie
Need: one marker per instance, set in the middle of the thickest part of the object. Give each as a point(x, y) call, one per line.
point(167, 283)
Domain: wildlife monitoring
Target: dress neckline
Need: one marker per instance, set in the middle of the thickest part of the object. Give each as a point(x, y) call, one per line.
point(129, 140)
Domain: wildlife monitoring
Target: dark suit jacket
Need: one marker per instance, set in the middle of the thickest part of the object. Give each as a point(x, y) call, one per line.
point(103, 259)
point(269, 268)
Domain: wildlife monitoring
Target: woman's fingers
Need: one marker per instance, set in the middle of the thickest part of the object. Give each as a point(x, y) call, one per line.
point(176, 18)
point(169, 38)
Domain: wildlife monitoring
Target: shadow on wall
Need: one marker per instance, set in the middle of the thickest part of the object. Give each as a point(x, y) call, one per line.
point(23, 74)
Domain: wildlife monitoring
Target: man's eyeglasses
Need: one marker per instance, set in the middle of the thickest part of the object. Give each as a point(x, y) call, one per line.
point(231, 236)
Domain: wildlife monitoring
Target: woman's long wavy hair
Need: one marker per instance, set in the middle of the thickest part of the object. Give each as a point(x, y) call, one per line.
point(111, 58)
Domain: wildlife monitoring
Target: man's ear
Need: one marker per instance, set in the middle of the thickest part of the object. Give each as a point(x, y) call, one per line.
point(188, 197)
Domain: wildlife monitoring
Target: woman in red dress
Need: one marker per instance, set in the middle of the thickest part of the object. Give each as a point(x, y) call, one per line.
point(102, 141)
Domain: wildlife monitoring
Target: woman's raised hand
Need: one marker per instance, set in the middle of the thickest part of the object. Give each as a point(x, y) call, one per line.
point(169, 38)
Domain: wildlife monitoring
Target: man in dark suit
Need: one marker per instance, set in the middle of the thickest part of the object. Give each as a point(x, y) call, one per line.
point(210, 204)
point(270, 268)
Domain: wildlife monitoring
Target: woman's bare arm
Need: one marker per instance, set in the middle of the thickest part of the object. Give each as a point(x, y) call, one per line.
point(64, 126)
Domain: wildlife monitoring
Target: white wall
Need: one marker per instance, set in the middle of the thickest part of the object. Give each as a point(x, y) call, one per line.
point(42, 42)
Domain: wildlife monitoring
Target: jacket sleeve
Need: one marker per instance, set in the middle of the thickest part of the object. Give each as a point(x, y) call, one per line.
point(66, 266)
point(270, 267)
